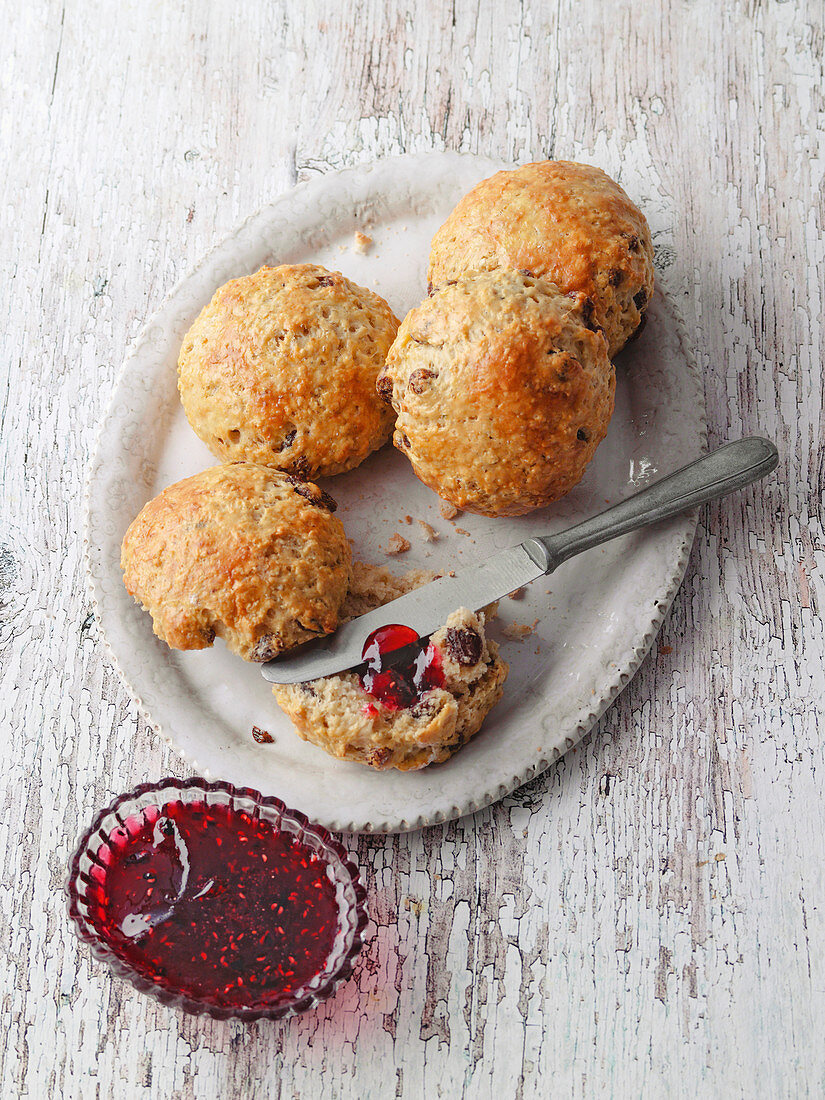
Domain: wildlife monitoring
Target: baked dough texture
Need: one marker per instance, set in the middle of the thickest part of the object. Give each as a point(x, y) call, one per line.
point(374, 585)
point(241, 552)
point(569, 223)
point(280, 369)
point(336, 713)
point(503, 390)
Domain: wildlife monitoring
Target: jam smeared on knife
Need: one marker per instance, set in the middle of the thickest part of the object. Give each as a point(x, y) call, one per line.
point(213, 901)
point(403, 684)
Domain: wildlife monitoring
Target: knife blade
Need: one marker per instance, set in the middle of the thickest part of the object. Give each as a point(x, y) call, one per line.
point(424, 610)
point(723, 471)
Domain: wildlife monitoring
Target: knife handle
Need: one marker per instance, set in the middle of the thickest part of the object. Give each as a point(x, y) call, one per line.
point(715, 475)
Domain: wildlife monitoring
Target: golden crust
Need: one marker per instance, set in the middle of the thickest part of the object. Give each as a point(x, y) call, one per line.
point(280, 369)
point(336, 713)
point(242, 552)
point(502, 392)
point(566, 222)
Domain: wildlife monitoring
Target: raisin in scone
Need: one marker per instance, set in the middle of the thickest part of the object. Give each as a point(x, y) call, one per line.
point(569, 223)
point(503, 390)
point(280, 369)
point(408, 725)
point(241, 552)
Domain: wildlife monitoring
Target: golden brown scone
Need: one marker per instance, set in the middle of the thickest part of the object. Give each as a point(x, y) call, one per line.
point(502, 391)
point(338, 715)
point(280, 369)
point(241, 552)
point(569, 223)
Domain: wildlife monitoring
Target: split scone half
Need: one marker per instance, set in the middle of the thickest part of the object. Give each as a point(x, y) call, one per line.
point(417, 721)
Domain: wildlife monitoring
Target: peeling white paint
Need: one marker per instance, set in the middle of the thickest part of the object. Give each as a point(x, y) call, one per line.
point(581, 938)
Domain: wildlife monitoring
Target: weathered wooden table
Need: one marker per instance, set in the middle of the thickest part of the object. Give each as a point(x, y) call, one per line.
point(646, 918)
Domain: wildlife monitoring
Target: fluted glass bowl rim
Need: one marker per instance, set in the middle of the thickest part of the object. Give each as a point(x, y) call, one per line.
point(352, 913)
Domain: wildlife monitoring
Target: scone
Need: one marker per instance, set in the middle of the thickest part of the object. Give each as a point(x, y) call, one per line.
point(503, 390)
point(407, 726)
point(240, 552)
point(569, 223)
point(280, 369)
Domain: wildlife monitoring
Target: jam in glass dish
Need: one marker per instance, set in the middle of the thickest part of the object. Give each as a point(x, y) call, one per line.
point(216, 899)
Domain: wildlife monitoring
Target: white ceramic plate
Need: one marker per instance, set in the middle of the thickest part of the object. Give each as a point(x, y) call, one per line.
point(594, 620)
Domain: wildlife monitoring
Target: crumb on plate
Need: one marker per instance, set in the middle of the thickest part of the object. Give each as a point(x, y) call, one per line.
point(363, 243)
point(517, 632)
point(397, 545)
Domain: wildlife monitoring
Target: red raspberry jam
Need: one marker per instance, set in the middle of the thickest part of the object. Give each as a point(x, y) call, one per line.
point(401, 685)
point(214, 903)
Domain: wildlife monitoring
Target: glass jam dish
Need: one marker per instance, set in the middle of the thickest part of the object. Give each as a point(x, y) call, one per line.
point(218, 900)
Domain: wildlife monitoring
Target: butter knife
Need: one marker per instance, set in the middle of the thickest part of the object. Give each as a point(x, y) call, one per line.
point(425, 610)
